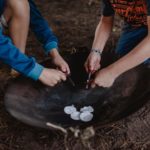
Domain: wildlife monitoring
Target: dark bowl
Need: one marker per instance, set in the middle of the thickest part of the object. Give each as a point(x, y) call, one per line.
point(36, 104)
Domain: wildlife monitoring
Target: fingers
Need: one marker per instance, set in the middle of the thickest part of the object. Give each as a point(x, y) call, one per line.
point(51, 77)
point(61, 64)
point(92, 67)
point(89, 67)
point(97, 81)
point(101, 83)
point(92, 64)
point(97, 66)
point(86, 66)
point(93, 85)
point(62, 76)
point(68, 70)
point(65, 69)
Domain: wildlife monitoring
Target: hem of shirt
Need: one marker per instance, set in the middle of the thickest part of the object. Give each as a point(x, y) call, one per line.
point(48, 47)
point(35, 72)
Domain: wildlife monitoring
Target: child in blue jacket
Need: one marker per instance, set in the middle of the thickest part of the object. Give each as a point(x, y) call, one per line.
point(18, 16)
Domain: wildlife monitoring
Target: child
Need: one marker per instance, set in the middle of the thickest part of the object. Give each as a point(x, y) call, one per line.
point(134, 43)
point(17, 16)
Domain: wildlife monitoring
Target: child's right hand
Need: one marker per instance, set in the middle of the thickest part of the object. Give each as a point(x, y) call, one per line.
point(92, 63)
point(51, 77)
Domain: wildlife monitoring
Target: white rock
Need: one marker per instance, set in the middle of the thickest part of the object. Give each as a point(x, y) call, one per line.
point(87, 108)
point(75, 115)
point(86, 116)
point(70, 109)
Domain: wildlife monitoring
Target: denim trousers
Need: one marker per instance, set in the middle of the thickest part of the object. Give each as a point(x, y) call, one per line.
point(130, 38)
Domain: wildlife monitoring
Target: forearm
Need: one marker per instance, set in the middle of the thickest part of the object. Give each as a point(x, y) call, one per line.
point(10, 55)
point(138, 55)
point(41, 29)
point(53, 53)
point(102, 33)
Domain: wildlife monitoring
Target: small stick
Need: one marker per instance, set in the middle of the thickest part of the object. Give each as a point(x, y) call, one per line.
point(69, 78)
point(71, 81)
point(88, 80)
point(56, 127)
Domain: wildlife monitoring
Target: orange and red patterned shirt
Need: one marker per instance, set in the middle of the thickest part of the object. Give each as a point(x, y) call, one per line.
point(134, 12)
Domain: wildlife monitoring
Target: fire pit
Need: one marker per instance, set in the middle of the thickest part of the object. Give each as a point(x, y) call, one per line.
point(36, 104)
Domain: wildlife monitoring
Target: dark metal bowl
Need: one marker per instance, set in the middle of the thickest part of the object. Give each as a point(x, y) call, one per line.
point(36, 104)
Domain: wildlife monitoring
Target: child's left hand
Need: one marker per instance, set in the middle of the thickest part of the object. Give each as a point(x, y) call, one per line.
point(59, 61)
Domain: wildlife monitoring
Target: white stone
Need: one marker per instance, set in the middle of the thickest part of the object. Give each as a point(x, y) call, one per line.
point(86, 116)
point(75, 115)
point(87, 108)
point(70, 109)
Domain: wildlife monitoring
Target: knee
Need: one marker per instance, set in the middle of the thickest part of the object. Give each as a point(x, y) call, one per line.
point(19, 8)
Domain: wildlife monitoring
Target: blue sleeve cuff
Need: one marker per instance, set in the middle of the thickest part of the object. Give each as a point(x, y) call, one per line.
point(36, 72)
point(48, 47)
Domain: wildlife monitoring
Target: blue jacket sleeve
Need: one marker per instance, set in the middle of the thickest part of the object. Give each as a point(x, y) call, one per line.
point(10, 55)
point(41, 28)
point(2, 5)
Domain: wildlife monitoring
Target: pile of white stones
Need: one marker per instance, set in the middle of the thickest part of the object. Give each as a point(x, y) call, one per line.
point(85, 114)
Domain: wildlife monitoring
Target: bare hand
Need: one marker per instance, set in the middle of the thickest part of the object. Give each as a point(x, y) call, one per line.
point(51, 77)
point(59, 62)
point(104, 78)
point(92, 63)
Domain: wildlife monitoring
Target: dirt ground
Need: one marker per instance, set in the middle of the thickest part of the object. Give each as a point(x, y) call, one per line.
point(74, 23)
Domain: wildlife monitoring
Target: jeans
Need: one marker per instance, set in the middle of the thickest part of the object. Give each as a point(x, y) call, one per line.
point(11, 55)
point(129, 39)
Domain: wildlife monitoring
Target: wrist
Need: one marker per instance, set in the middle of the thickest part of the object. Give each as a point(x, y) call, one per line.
point(114, 71)
point(36, 72)
point(97, 51)
point(54, 53)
